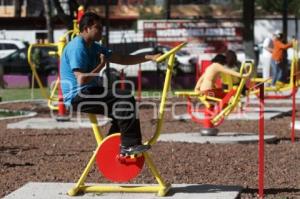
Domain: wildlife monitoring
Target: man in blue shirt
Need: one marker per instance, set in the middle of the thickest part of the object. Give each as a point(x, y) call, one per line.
point(81, 62)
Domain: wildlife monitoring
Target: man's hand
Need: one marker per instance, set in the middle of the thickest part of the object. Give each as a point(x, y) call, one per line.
point(102, 61)
point(152, 57)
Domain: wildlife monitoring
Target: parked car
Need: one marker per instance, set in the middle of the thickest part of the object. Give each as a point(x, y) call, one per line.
point(9, 46)
point(17, 63)
point(182, 61)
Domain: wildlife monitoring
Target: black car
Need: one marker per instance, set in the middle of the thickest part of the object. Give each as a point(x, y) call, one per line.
point(17, 62)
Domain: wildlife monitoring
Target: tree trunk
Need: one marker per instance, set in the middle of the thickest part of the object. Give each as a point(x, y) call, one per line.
point(168, 9)
point(47, 14)
point(18, 7)
point(248, 34)
point(285, 19)
point(67, 19)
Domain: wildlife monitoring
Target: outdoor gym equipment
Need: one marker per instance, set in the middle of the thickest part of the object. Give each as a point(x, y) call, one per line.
point(55, 99)
point(217, 104)
point(124, 168)
point(280, 87)
point(51, 98)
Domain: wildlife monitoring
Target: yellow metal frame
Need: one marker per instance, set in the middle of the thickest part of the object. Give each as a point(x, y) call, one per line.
point(162, 188)
point(245, 71)
point(51, 98)
point(280, 87)
point(60, 46)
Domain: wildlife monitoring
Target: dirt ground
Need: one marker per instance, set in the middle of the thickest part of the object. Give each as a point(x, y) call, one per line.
point(61, 155)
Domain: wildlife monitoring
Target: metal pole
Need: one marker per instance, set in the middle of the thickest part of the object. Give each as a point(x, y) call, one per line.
point(285, 19)
point(296, 27)
point(107, 41)
point(261, 148)
point(122, 79)
point(139, 83)
point(293, 110)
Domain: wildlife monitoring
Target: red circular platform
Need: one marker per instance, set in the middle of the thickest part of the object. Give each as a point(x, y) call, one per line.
point(114, 167)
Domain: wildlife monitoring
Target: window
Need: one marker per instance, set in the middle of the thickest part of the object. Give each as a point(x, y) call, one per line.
point(9, 47)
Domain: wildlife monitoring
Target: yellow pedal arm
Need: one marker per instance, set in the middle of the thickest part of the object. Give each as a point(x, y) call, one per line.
point(213, 98)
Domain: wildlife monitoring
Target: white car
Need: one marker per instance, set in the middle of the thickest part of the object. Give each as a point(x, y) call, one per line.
point(9, 46)
point(182, 61)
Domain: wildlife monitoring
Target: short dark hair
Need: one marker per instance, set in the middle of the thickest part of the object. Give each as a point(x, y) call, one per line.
point(219, 58)
point(231, 58)
point(88, 19)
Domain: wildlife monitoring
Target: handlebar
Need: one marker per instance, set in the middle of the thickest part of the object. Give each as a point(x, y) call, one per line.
point(172, 51)
point(246, 69)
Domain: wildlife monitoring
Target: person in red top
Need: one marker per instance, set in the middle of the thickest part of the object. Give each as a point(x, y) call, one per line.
point(277, 62)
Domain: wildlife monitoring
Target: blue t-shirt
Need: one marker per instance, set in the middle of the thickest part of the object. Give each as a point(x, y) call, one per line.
point(77, 56)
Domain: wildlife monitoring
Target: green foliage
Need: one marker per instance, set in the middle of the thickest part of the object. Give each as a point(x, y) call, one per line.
point(149, 2)
point(276, 6)
point(149, 15)
point(294, 6)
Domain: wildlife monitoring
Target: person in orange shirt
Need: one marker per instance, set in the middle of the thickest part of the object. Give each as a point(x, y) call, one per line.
point(277, 63)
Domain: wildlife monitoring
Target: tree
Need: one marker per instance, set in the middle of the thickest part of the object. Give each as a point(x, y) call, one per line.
point(66, 18)
point(248, 34)
point(73, 5)
point(275, 6)
point(18, 7)
point(49, 24)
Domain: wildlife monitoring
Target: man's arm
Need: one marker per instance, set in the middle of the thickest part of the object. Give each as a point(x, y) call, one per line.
point(228, 71)
point(131, 59)
point(83, 78)
point(198, 85)
point(285, 46)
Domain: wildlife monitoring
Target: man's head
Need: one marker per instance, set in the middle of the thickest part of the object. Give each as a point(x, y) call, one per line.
point(90, 25)
point(278, 34)
point(219, 58)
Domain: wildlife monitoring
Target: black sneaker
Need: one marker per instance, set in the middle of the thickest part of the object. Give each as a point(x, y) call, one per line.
point(133, 150)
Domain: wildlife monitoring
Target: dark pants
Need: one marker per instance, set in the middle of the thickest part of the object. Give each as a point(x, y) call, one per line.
point(119, 105)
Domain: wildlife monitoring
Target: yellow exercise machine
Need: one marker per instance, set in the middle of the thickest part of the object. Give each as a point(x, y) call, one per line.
point(52, 97)
point(280, 86)
point(124, 168)
point(217, 104)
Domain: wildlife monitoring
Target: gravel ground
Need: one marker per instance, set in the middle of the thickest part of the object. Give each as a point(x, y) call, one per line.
point(60, 155)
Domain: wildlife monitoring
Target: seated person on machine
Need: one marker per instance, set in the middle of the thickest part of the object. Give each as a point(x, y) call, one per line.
point(206, 83)
point(81, 61)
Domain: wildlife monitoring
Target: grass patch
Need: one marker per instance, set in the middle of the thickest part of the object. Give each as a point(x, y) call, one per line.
point(28, 94)
point(20, 94)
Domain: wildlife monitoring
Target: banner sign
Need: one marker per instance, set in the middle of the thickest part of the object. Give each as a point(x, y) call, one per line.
point(209, 36)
